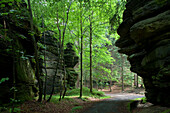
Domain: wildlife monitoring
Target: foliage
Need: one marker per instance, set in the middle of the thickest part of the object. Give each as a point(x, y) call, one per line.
point(4, 79)
point(75, 93)
point(55, 98)
point(102, 12)
point(86, 92)
point(15, 110)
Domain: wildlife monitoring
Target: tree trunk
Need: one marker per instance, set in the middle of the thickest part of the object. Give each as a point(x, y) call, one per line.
point(61, 88)
point(122, 73)
point(36, 55)
point(65, 86)
point(137, 81)
point(142, 86)
point(81, 55)
point(45, 65)
point(110, 85)
point(91, 76)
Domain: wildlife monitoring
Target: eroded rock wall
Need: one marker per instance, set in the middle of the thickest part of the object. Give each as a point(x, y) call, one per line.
point(51, 52)
point(71, 59)
point(145, 38)
point(16, 54)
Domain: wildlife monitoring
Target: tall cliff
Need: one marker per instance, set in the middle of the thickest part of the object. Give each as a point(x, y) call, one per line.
point(16, 53)
point(145, 38)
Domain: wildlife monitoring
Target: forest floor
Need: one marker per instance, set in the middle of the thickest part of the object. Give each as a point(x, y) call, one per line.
point(116, 104)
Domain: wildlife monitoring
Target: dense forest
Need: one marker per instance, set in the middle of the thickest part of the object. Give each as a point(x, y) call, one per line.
point(52, 49)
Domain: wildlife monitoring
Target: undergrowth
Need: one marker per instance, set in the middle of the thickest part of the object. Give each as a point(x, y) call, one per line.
point(76, 92)
point(86, 92)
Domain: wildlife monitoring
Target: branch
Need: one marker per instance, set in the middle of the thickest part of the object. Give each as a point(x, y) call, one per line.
point(66, 23)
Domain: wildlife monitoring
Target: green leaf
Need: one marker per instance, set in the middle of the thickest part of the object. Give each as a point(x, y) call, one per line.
point(10, 4)
point(4, 79)
point(2, 5)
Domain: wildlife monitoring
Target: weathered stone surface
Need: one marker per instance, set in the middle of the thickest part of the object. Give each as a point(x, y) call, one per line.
point(16, 51)
point(51, 57)
point(151, 27)
point(152, 8)
point(71, 59)
point(148, 23)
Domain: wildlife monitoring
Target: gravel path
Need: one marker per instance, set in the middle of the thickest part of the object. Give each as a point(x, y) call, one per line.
point(116, 104)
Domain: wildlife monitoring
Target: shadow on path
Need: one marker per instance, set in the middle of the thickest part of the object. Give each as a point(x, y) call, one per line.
point(116, 104)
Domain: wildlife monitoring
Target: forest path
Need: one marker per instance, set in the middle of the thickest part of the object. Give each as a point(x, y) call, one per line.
point(116, 104)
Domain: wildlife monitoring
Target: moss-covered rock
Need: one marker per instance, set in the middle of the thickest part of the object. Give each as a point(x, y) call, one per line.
point(16, 53)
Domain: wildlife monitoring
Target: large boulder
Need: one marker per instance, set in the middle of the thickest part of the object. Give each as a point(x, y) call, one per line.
point(145, 38)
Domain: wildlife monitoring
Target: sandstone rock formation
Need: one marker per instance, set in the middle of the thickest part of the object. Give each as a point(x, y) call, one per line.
point(16, 54)
point(70, 59)
point(145, 38)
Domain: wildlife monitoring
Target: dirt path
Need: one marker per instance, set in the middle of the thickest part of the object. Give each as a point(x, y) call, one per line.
point(116, 104)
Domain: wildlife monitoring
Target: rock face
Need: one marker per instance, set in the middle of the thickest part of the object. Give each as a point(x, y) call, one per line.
point(70, 58)
point(145, 38)
point(50, 55)
point(16, 51)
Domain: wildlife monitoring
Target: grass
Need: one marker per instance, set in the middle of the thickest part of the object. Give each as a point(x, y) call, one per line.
point(55, 98)
point(70, 94)
point(86, 92)
point(76, 108)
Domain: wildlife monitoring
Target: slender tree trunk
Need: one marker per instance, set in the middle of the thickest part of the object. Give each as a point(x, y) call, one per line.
point(111, 79)
point(91, 76)
point(62, 47)
point(61, 87)
point(45, 64)
point(53, 84)
point(65, 87)
point(110, 85)
point(142, 86)
point(78, 78)
point(122, 73)
point(81, 65)
point(137, 81)
point(36, 55)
